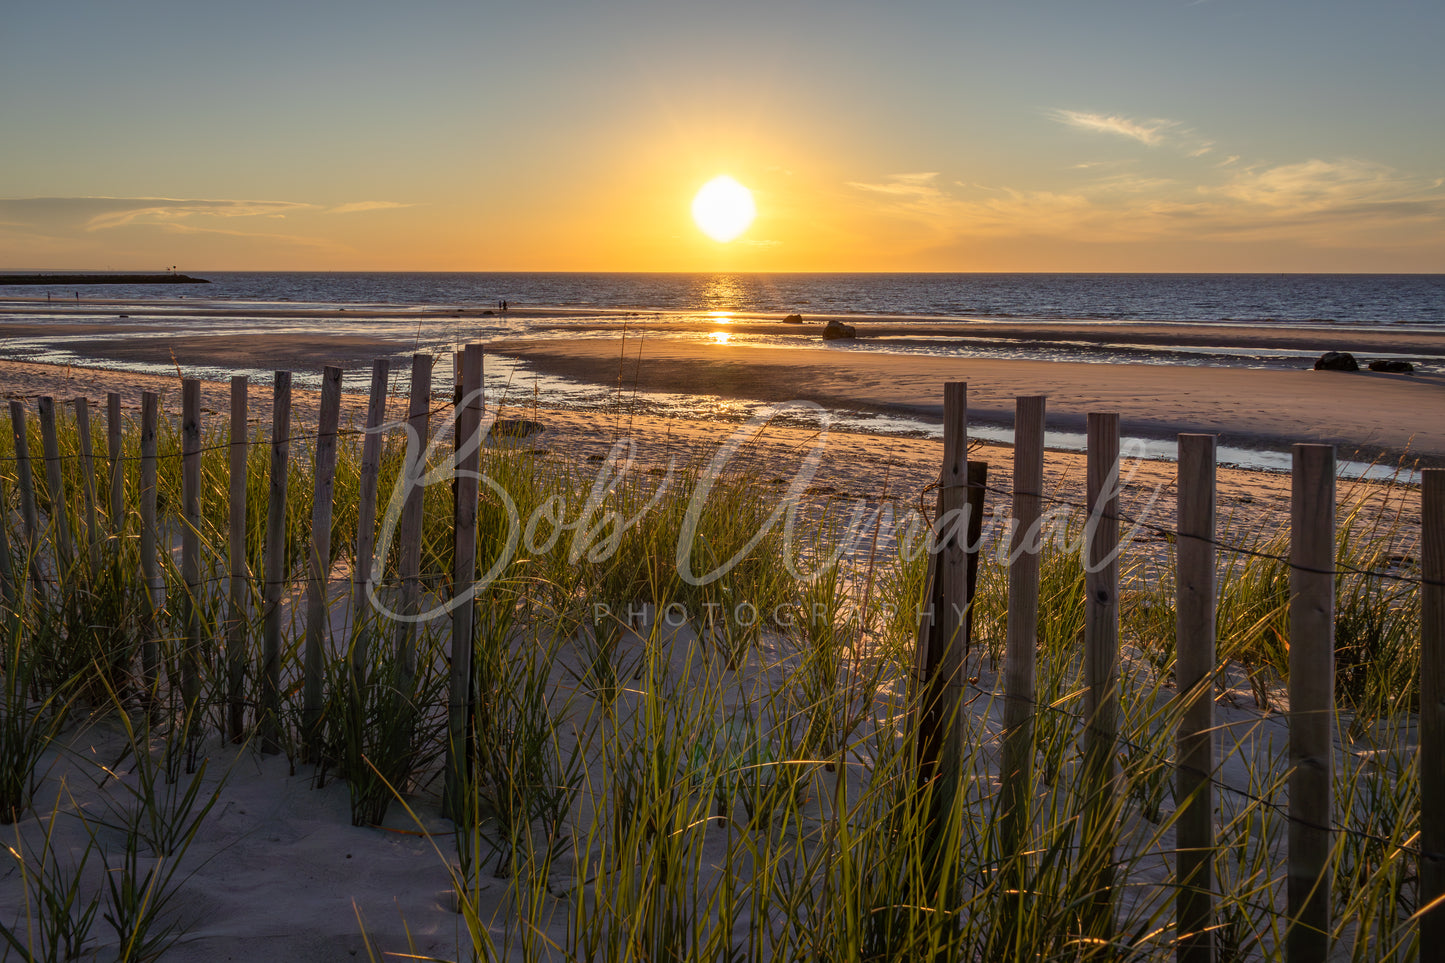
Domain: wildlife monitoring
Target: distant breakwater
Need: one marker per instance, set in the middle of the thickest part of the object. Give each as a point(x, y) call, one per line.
point(100, 279)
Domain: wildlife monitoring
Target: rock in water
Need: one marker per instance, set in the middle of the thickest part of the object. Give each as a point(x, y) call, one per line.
point(837, 329)
point(793, 319)
point(1337, 361)
point(1391, 366)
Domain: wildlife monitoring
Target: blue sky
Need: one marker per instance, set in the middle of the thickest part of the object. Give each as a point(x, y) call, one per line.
point(551, 136)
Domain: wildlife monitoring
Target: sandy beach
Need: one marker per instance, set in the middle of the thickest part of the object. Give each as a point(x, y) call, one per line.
point(280, 872)
point(882, 330)
point(1368, 415)
point(854, 466)
point(347, 890)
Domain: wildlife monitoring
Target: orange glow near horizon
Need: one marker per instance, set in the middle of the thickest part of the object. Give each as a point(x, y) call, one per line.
point(696, 139)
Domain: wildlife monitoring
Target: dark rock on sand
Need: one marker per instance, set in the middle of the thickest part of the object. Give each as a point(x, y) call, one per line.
point(515, 428)
point(1391, 366)
point(1337, 361)
point(793, 319)
point(837, 329)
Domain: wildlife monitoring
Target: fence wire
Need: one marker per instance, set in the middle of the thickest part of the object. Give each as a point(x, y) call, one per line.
point(441, 580)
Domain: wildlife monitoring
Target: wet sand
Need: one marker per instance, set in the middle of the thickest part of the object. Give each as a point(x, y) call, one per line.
point(1368, 415)
point(876, 332)
point(856, 467)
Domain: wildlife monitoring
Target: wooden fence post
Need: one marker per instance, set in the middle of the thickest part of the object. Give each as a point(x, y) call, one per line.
point(975, 494)
point(459, 709)
point(191, 543)
point(9, 584)
point(55, 480)
point(1432, 704)
point(371, 448)
point(25, 480)
point(411, 517)
point(150, 545)
point(274, 564)
point(1194, 674)
point(87, 482)
point(318, 622)
point(1101, 665)
point(1311, 700)
point(940, 658)
point(240, 569)
point(1022, 626)
point(117, 462)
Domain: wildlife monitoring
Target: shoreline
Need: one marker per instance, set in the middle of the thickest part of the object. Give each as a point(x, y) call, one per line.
point(1308, 337)
point(1368, 415)
point(856, 466)
point(1360, 413)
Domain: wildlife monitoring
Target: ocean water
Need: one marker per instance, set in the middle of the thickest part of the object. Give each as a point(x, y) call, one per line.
point(1369, 299)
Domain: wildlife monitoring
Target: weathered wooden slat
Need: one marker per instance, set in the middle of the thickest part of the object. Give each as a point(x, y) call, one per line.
point(418, 421)
point(1195, 602)
point(1022, 625)
point(114, 435)
point(239, 567)
point(318, 621)
point(87, 482)
point(150, 544)
point(1311, 701)
point(1432, 704)
point(55, 482)
point(192, 651)
point(274, 564)
point(1101, 668)
point(468, 442)
point(25, 482)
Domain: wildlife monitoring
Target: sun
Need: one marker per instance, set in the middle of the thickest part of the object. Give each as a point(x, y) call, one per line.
point(723, 208)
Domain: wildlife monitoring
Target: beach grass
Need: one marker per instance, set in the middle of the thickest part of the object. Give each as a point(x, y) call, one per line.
point(666, 765)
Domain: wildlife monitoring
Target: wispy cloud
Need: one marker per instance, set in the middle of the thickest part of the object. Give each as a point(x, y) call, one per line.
point(103, 213)
point(921, 184)
point(918, 192)
point(355, 207)
point(67, 222)
point(295, 240)
point(167, 211)
point(1314, 185)
point(1326, 203)
point(1153, 132)
point(1314, 203)
point(1100, 165)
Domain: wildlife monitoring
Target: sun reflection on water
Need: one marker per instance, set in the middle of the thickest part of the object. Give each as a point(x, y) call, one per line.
point(722, 293)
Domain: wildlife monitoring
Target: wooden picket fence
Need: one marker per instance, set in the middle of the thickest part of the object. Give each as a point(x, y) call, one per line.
point(940, 662)
point(1311, 717)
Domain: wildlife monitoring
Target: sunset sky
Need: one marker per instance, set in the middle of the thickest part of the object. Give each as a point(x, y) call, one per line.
point(1155, 135)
